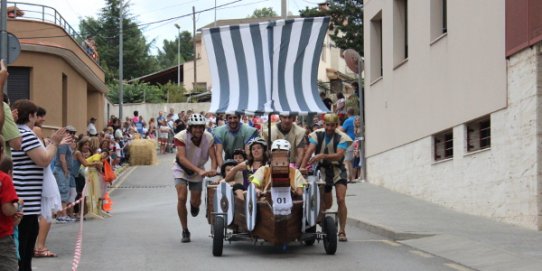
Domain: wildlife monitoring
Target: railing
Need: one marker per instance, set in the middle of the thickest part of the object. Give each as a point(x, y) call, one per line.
point(46, 14)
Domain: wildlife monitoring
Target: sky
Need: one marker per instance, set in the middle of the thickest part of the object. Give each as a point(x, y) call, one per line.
point(155, 10)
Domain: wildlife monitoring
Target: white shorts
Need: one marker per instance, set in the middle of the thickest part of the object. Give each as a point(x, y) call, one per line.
point(349, 154)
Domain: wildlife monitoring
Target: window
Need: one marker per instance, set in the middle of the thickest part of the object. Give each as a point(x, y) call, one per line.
point(376, 47)
point(443, 145)
point(479, 134)
point(400, 31)
point(439, 18)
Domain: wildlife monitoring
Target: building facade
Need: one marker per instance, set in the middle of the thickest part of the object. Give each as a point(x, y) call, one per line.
point(453, 108)
point(53, 70)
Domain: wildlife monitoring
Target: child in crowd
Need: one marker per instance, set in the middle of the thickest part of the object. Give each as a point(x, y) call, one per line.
point(239, 156)
point(10, 216)
point(237, 183)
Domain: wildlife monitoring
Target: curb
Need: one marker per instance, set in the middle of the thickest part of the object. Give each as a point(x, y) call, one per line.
point(384, 231)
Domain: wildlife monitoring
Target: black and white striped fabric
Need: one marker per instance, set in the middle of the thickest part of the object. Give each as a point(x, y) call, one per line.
point(268, 67)
point(27, 176)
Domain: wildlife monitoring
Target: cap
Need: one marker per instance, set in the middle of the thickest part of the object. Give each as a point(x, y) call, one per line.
point(70, 128)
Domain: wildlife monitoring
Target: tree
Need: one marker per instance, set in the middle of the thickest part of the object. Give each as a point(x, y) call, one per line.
point(263, 13)
point(167, 56)
point(105, 29)
point(346, 23)
point(145, 93)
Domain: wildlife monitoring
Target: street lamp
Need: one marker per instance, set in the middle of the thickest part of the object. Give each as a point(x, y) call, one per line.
point(178, 59)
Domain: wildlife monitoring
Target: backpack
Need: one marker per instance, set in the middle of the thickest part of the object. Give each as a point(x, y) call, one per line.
point(139, 126)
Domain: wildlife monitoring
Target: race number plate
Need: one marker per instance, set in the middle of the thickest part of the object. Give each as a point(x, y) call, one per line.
point(282, 200)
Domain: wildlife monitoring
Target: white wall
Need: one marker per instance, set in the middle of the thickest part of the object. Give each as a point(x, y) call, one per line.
point(503, 182)
point(442, 83)
point(151, 110)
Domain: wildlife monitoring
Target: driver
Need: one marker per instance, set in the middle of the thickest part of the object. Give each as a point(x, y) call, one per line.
point(194, 148)
point(263, 177)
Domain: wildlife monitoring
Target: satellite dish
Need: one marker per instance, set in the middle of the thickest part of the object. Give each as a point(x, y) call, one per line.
point(352, 59)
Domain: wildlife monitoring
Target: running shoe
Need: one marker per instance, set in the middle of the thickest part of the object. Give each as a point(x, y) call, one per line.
point(185, 237)
point(194, 210)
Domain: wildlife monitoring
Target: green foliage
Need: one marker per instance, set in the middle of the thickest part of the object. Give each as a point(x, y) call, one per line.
point(346, 24)
point(105, 29)
point(144, 92)
point(167, 57)
point(263, 13)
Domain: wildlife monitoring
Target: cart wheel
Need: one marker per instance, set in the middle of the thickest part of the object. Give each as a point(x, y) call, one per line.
point(310, 242)
point(330, 239)
point(218, 236)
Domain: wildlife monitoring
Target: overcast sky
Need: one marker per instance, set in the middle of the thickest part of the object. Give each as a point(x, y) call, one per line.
point(154, 10)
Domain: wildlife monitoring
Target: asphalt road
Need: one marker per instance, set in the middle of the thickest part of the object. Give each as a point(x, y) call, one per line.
point(144, 234)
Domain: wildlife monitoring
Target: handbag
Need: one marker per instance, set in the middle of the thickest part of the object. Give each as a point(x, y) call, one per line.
point(109, 174)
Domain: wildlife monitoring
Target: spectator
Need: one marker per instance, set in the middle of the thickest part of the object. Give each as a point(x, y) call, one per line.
point(91, 128)
point(28, 177)
point(327, 101)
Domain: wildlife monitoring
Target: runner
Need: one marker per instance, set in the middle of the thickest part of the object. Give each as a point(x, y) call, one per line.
point(329, 145)
point(289, 130)
point(234, 135)
point(194, 148)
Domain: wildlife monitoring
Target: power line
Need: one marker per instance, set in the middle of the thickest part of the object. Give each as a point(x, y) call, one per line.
point(186, 15)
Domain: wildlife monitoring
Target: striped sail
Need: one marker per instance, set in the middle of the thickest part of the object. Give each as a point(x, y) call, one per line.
point(268, 67)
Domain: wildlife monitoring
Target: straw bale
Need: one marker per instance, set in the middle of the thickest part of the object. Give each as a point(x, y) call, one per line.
point(142, 152)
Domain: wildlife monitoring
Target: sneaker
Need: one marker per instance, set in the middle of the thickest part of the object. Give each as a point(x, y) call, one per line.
point(194, 210)
point(61, 220)
point(186, 237)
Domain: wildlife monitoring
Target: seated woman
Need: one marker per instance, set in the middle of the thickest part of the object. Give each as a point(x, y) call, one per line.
point(258, 158)
point(280, 152)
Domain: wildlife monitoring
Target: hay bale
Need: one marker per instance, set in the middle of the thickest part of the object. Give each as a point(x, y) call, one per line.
point(142, 152)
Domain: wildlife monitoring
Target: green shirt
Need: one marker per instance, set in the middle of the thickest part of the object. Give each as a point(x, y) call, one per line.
point(10, 130)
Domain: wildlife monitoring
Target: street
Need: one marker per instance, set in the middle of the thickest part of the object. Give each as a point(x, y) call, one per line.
point(144, 234)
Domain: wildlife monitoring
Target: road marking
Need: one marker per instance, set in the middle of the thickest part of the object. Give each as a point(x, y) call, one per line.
point(391, 243)
point(457, 267)
point(124, 178)
point(421, 253)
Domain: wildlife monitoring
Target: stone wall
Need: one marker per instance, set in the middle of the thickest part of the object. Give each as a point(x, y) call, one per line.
point(502, 182)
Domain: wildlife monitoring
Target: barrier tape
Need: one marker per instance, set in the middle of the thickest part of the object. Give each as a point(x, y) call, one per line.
point(79, 243)
point(139, 187)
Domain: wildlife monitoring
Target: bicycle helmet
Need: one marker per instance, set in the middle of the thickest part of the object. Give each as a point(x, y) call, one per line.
point(331, 118)
point(257, 140)
point(196, 119)
point(280, 144)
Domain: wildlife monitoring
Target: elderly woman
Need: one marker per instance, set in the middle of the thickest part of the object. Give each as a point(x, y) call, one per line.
point(28, 175)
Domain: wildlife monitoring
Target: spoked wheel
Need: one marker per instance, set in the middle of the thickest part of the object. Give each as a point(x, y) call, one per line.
point(310, 241)
point(330, 238)
point(218, 236)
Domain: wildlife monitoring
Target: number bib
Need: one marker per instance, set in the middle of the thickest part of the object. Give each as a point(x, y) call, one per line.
point(282, 200)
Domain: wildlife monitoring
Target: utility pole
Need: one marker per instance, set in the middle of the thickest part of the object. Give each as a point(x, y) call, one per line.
point(195, 52)
point(121, 79)
point(284, 9)
point(4, 38)
point(178, 59)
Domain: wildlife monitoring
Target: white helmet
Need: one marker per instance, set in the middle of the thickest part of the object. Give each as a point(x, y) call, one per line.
point(280, 144)
point(196, 119)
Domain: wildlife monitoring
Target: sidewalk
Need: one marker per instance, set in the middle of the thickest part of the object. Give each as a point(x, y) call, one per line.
point(473, 241)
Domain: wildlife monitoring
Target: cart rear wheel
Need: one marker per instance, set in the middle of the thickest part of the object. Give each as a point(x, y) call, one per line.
point(312, 239)
point(218, 236)
point(330, 238)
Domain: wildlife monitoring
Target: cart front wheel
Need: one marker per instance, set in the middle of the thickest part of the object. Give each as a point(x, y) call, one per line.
point(218, 236)
point(330, 238)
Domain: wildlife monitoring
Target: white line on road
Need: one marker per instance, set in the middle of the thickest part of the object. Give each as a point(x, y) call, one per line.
point(457, 267)
point(421, 253)
point(124, 178)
